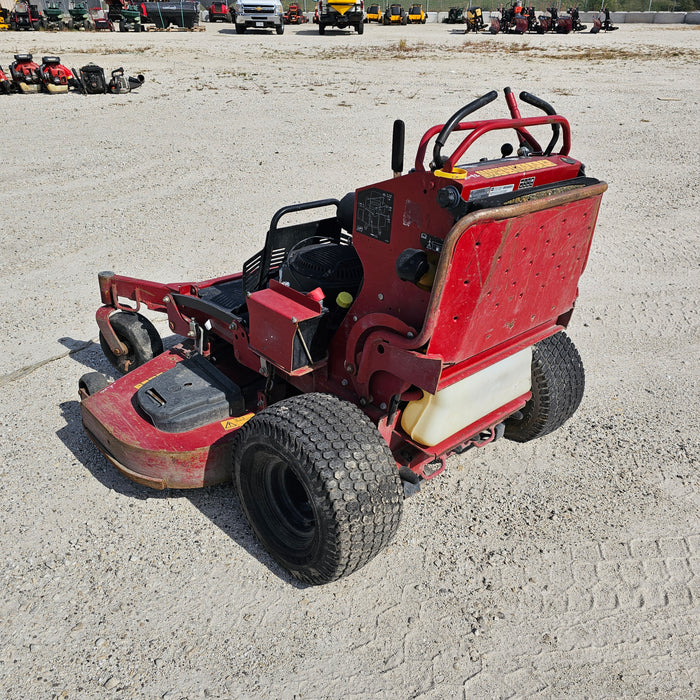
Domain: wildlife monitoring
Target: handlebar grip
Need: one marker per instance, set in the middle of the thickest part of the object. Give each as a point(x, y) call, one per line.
point(547, 109)
point(301, 207)
point(537, 102)
point(456, 118)
point(397, 146)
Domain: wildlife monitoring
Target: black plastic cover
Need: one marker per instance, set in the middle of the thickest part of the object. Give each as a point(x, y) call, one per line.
point(191, 394)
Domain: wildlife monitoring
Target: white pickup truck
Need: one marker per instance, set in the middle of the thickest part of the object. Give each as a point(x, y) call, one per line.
point(268, 14)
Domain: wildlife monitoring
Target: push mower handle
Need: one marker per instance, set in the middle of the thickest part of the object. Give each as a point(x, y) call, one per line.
point(450, 124)
point(478, 129)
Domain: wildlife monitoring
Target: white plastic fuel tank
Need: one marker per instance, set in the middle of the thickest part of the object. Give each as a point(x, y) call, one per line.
point(436, 417)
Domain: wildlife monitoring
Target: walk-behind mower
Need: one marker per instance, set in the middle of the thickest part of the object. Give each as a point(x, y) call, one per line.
point(602, 22)
point(356, 351)
point(455, 15)
point(55, 17)
point(100, 20)
point(25, 73)
point(474, 20)
point(80, 16)
point(130, 19)
point(576, 24)
point(511, 20)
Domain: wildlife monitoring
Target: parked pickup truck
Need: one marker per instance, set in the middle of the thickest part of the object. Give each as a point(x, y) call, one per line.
point(268, 14)
point(341, 14)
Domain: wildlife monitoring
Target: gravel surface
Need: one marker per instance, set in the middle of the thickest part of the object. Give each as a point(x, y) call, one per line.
point(564, 567)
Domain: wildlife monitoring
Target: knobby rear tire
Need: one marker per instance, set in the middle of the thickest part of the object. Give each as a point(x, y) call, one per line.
point(318, 485)
point(558, 382)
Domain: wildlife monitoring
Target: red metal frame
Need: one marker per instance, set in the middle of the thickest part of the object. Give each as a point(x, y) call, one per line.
point(478, 128)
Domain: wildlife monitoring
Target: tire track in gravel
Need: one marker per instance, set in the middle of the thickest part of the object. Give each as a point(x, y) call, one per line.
point(610, 603)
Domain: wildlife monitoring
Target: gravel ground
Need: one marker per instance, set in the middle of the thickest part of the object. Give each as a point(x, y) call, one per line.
point(564, 567)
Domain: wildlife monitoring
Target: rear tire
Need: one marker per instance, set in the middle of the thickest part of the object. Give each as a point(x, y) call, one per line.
point(318, 485)
point(360, 28)
point(558, 382)
point(321, 28)
point(140, 337)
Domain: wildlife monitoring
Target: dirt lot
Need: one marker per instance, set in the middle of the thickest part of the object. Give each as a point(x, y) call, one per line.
point(565, 567)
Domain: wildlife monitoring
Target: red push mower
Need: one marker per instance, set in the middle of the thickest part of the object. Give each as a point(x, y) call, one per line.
point(356, 351)
point(100, 20)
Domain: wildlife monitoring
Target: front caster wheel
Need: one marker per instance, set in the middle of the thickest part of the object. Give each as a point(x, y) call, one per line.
point(318, 485)
point(90, 383)
point(138, 335)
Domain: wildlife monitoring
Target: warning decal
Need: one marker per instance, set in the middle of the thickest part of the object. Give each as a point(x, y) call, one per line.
point(521, 167)
point(373, 214)
point(237, 422)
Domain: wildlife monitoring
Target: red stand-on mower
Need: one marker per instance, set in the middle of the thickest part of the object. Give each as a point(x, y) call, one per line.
point(295, 15)
point(219, 12)
point(423, 317)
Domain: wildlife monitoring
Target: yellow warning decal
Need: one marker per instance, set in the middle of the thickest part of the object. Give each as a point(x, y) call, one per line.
point(522, 167)
point(237, 422)
point(145, 381)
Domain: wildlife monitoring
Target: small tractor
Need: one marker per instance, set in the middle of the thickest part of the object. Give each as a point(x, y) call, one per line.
point(415, 318)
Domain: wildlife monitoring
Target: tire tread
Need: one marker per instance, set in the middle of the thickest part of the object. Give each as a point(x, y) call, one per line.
point(558, 383)
point(352, 475)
